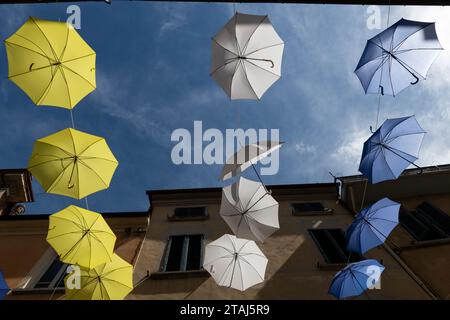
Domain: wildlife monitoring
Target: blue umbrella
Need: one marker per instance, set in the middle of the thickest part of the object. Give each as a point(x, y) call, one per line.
point(355, 278)
point(391, 149)
point(372, 226)
point(4, 289)
point(398, 57)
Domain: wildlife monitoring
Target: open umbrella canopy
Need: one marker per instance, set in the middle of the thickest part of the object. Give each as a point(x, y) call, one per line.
point(247, 156)
point(356, 278)
point(398, 57)
point(4, 289)
point(249, 210)
point(235, 263)
point(51, 63)
point(72, 163)
point(372, 226)
point(391, 149)
point(81, 237)
point(109, 281)
point(246, 56)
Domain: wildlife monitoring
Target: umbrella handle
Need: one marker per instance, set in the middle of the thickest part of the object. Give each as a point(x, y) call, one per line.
point(382, 90)
point(417, 79)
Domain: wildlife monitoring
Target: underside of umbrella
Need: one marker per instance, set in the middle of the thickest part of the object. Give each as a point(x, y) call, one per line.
point(398, 57)
point(249, 210)
point(246, 56)
point(235, 263)
point(391, 149)
point(248, 156)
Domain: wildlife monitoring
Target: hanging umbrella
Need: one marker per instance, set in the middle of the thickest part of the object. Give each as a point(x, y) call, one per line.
point(246, 56)
point(391, 149)
point(51, 63)
point(72, 163)
point(248, 156)
point(109, 281)
point(372, 226)
point(398, 57)
point(235, 263)
point(4, 289)
point(249, 210)
point(81, 237)
point(356, 278)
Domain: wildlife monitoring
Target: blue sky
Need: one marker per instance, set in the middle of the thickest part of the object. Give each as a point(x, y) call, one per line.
point(153, 63)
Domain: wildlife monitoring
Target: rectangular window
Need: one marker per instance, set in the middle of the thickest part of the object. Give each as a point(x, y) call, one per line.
point(426, 222)
point(333, 245)
point(183, 253)
point(303, 208)
point(53, 277)
point(189, 213)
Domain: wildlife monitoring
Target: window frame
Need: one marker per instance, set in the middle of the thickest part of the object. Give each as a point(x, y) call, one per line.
point(323, 253)
point(325, 211)
point(184, 254)
point(172, 216)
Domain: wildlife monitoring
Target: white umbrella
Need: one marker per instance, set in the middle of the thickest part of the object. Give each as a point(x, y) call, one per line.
point(235, 263)
point(249, 210)
point(246, 56)
point(248, 156)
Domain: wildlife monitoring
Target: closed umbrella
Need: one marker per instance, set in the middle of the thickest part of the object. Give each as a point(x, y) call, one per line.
point(372, 226)
point(4, 289)
point(391, 149)
point(248, 156)
point(81, 237)
point(398, 57)
point(109, 281)
point(246, 56)
point(72, 163)
point(356, 278)
point(249, 210)
point(51, 63)
point(235, 263)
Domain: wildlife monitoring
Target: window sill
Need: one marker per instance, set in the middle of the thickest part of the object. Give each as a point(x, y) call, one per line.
point(37, 291)
point(313, 213)
point(179, 275)
point(426, 243)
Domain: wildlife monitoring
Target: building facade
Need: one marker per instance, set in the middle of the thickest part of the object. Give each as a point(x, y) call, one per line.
point(166, 244)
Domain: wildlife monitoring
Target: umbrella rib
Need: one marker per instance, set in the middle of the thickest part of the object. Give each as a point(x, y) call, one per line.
point(47, 89)
point(79, 216)
point(29, 71)
point(251, 265)
point(387, 165)
point(58, 178)
point(246, 77)
point(89, 146)
point(77, 58)
point(58, 147)
point(71, 70)
point(45, 36)
point(67, 85)
point(418, 30)
point(389, 140)
point(29, 49)
point(65, 45)
point(232, 78)
point(95, 172)
point(253, 32)
point(225, 272)
point(215, 245)
point(356, 279)
point(266, 47)
point(64, 234)
point(48, 161)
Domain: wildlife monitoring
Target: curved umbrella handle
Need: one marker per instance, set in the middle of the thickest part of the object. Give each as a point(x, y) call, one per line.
point(31, 66)
point(417, 79)
point(382, 90)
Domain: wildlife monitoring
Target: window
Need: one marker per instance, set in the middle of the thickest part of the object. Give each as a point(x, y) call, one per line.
point(426, 222)
point(183, 253)
point(189, 213)
point(304, 208)
point(333, 245)
point(53, 277)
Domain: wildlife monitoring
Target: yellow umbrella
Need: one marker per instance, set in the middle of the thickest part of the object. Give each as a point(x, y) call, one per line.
point(51, 63)
point(72, 163)
point(81, 237)
point(110, 281)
